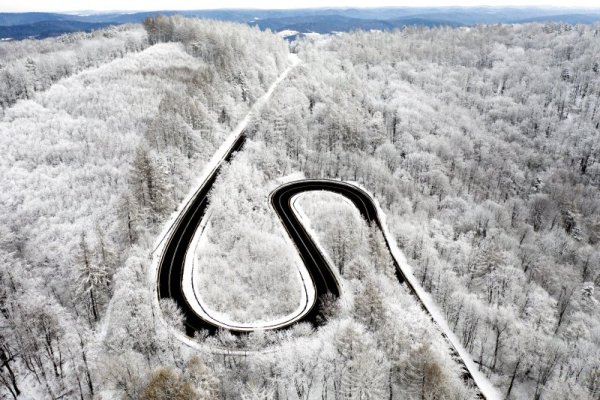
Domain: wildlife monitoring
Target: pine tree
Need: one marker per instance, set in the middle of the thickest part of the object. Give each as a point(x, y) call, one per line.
point(205, 382)
point(362, 367)
point(422, 376)
point(487, 259)
point(149, 184)
point(165, 384)
point(253, 392)
point(380, 253)
point(357, 268)
point(129, 214)
point(368, 306)
point(92, 277)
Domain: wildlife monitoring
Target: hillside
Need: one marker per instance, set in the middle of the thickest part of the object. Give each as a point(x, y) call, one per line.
point(90, 170)
point(30, 66)
point(482, 147)
point(476, 148)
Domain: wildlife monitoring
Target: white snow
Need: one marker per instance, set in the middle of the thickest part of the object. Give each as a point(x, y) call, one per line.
point(216, 159)
point(287, 33)
point(296, 205)
point(213, 164)
point(314, 35)
point(223, 320)
point(487, 388)
point(308, 228)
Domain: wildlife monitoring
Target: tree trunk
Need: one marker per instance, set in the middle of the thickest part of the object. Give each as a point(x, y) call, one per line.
point(93, 302)
point(512, 379)
point(88, 376)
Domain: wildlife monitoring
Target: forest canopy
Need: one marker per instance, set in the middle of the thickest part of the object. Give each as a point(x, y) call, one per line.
point(481, 145)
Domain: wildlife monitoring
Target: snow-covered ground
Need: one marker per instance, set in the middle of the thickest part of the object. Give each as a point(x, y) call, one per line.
point(213, 164)
point(223, 320)
point(287, 33)
point(487, 388)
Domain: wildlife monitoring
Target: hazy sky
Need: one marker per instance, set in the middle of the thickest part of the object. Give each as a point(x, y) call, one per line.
point(73, 5)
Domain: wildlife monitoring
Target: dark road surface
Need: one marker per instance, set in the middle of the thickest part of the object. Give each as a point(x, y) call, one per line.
point(170, 270)
point(172, 262)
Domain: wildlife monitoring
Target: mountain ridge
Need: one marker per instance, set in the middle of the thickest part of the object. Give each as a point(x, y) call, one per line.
point(322, 20)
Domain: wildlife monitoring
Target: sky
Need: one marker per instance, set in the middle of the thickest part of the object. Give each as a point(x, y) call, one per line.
point(135, 5)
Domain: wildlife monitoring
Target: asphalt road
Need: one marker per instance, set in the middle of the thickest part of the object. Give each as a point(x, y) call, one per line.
point(171, 264)
point(324, 279)
point(170, 267)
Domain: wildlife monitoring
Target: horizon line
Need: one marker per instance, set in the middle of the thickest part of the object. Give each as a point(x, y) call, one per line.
point(132, 11)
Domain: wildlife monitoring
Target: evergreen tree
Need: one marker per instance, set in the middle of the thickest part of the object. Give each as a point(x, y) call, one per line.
point(166, 384)
point(93, 278)
point(149, 184)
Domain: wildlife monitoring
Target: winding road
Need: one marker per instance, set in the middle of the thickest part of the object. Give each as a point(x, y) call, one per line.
point(172, 259)
point(171, 264)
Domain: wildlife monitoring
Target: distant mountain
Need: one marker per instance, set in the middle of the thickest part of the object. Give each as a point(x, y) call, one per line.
point(320, 24)
point(338, 23)
point(564, 18)
point(9, 19)
point(321, 20)
point(44, 29)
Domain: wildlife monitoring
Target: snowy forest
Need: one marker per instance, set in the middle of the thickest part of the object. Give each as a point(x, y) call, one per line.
point(481, 146)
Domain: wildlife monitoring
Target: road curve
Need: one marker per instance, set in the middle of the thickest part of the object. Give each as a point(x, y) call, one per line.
point(171, 263)
point(179, 238)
